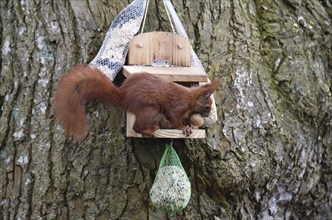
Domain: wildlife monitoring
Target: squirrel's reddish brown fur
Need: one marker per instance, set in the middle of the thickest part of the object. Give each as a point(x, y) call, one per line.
point(156, 103)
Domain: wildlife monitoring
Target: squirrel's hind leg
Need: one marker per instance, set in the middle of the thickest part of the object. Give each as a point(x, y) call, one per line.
point(145, 122)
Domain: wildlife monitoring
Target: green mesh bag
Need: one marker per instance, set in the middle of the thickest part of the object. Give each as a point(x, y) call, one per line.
point(171, 188)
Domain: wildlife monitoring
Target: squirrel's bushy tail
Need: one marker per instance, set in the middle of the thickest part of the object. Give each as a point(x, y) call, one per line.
point(82, 82)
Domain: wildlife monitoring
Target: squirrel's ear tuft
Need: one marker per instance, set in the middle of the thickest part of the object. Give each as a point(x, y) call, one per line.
point(210, 88)
point(207, 93)
point(214, 84)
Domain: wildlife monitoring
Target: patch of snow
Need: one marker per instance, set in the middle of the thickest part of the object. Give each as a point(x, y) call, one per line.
point(6, 47)
point(40, 42)
point(27, 182)
point(7, 161)
point(32, 136)
point(258, 123)
point(273, 207)
point(18, 134)
point(21, 30)
point(44, 146)
point(23, 159)
point(277, 63)
point(285, 197)
point(54, 26)
point(43, 108)
point(300, 18)
point(43, 82)
point(239, 84)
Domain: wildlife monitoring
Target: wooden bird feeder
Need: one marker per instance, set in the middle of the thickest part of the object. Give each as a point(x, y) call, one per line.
point(167, 56)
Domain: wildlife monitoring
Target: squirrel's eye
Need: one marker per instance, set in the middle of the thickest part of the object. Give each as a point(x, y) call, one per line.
point(207, 107)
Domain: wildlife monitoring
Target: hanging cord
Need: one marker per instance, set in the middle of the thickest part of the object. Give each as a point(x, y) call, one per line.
point(169, 17)
point(167, 12)
point(178, 25)
point(145, 14)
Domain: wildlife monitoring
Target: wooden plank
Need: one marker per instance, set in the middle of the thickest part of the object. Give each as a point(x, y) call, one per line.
point(177, 74)
point(146, 47)
point(161, 133)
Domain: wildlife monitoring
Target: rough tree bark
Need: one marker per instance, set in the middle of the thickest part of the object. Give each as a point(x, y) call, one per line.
point(268, 157)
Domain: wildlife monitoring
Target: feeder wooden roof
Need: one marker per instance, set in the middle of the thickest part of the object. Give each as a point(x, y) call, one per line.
point(163, 54)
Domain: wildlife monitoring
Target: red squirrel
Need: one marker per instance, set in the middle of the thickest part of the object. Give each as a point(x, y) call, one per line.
point(155, 102)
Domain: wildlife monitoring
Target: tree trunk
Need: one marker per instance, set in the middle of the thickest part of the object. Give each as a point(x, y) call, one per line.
point(269, 156)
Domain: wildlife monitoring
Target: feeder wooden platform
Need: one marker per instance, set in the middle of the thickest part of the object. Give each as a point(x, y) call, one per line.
point(162, 133)
point(176, 74)
point(168, 56)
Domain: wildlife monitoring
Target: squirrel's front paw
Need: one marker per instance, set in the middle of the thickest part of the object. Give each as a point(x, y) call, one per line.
point(187, 131)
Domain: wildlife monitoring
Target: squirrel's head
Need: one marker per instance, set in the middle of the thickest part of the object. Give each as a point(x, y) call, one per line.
point(204, 101)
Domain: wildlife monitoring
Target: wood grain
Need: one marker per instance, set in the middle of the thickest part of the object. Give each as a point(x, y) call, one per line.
point(147, 47)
